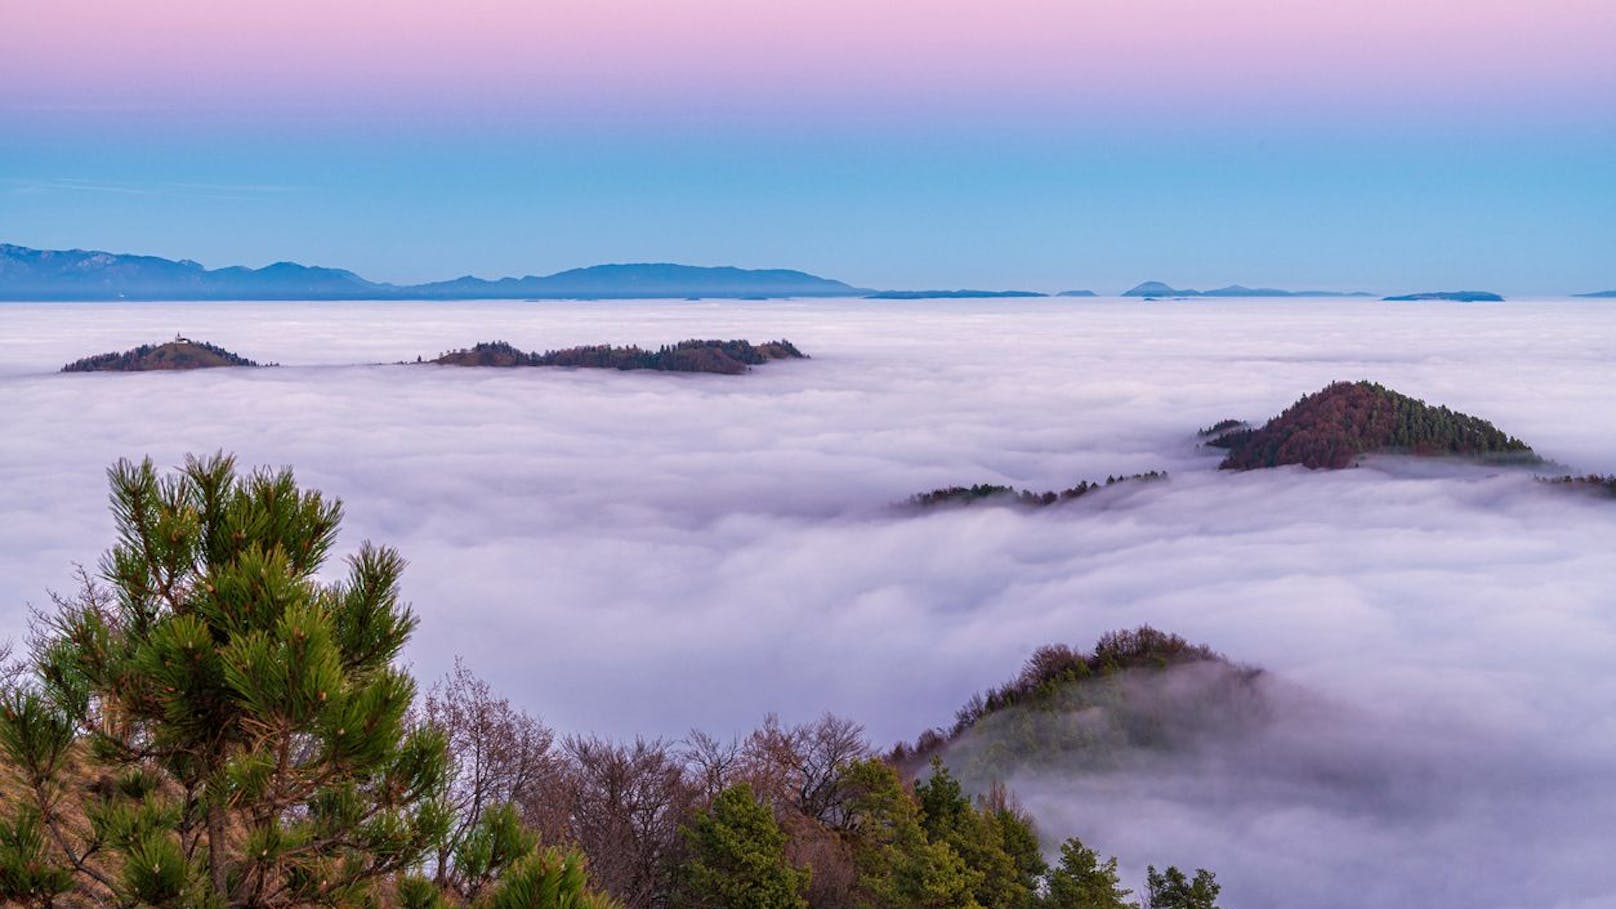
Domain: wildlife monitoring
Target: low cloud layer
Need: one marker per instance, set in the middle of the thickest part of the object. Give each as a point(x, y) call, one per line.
point(630, 553)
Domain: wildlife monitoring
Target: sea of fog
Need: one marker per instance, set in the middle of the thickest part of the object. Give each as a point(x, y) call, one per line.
point(640, 553)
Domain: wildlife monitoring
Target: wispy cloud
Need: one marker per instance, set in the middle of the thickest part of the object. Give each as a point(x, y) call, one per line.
point(204, 190)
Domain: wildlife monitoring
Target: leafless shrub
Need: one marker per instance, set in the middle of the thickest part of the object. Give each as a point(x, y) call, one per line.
point(499, 754)
point(628, 803)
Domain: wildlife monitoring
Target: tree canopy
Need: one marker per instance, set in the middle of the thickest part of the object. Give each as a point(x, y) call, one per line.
point(244, 724)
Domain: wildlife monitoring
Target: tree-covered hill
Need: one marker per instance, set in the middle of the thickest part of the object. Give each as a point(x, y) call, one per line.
point(1333, 427)
point(1077, 711)
point(180, 353)
point(725, 357)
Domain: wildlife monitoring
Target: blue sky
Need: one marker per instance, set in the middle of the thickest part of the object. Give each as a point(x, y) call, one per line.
point(1427, 144)
point(1023, 208)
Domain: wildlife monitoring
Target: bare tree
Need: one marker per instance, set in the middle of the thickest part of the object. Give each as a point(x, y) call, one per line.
point(713, 764)
point(10, 670)
point(628, 803)
point(802, 765)
point(799, 769)
point(499, 755)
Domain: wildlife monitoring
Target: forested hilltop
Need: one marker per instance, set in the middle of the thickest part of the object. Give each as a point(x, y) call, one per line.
point(725, 357)
point(1027, 722)
point(180, 353)
point(1333, 427)
point(207, 723)
point(731, 357)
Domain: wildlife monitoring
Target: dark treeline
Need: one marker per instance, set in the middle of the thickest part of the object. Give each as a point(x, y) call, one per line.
point(1605, 483)
point(1009, 495)
point(207, 724)
point(1333, 427)
point(725, 357)
point(1221, 430)
point(180, 353)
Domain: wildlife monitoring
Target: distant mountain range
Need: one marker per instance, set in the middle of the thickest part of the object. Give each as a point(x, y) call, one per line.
point(949, 294)
point(1600, 295)
point(77, 274)
point(1158, 289)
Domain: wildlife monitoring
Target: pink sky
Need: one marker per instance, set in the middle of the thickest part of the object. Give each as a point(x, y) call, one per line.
point(856, 58)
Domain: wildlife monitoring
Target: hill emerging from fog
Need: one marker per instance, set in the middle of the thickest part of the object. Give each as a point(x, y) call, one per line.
point(1334, 427)
point(1137, 691)
point(79, 274)
point(724, 357)
point(996, 494)
point(180, 353)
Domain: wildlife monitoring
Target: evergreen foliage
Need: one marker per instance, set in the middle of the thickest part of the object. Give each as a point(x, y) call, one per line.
point(1172, 889)
point(726, 357)
point(1009, 495)
point(984, 839)
point(1596, 482)
point(1082, 881)
point(737, 857)
point(28, 875)
point(898, 866)
point(247, 720)
point(180, 353)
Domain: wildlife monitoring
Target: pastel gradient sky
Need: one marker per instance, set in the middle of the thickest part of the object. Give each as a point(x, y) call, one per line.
point(1383, 144)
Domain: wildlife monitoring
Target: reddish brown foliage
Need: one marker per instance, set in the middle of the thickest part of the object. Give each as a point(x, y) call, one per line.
point(1331, 428)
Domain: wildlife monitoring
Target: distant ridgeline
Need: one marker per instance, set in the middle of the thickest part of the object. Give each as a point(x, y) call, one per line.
point(180, 353)
point(1008, 495)
point(1156, 289)
point(1136, 690)
point(951, 294)
point(725, 357)
point(1332, 428)
point(84, 274)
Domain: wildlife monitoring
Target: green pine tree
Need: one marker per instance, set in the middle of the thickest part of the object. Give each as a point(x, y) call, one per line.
point(737, 858)
point(1082, 881)
point(1172, 889)
point(897, 865)
point(979, 837)
point(221, 728)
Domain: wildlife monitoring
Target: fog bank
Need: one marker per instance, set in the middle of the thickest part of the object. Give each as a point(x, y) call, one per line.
point(627, 552)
